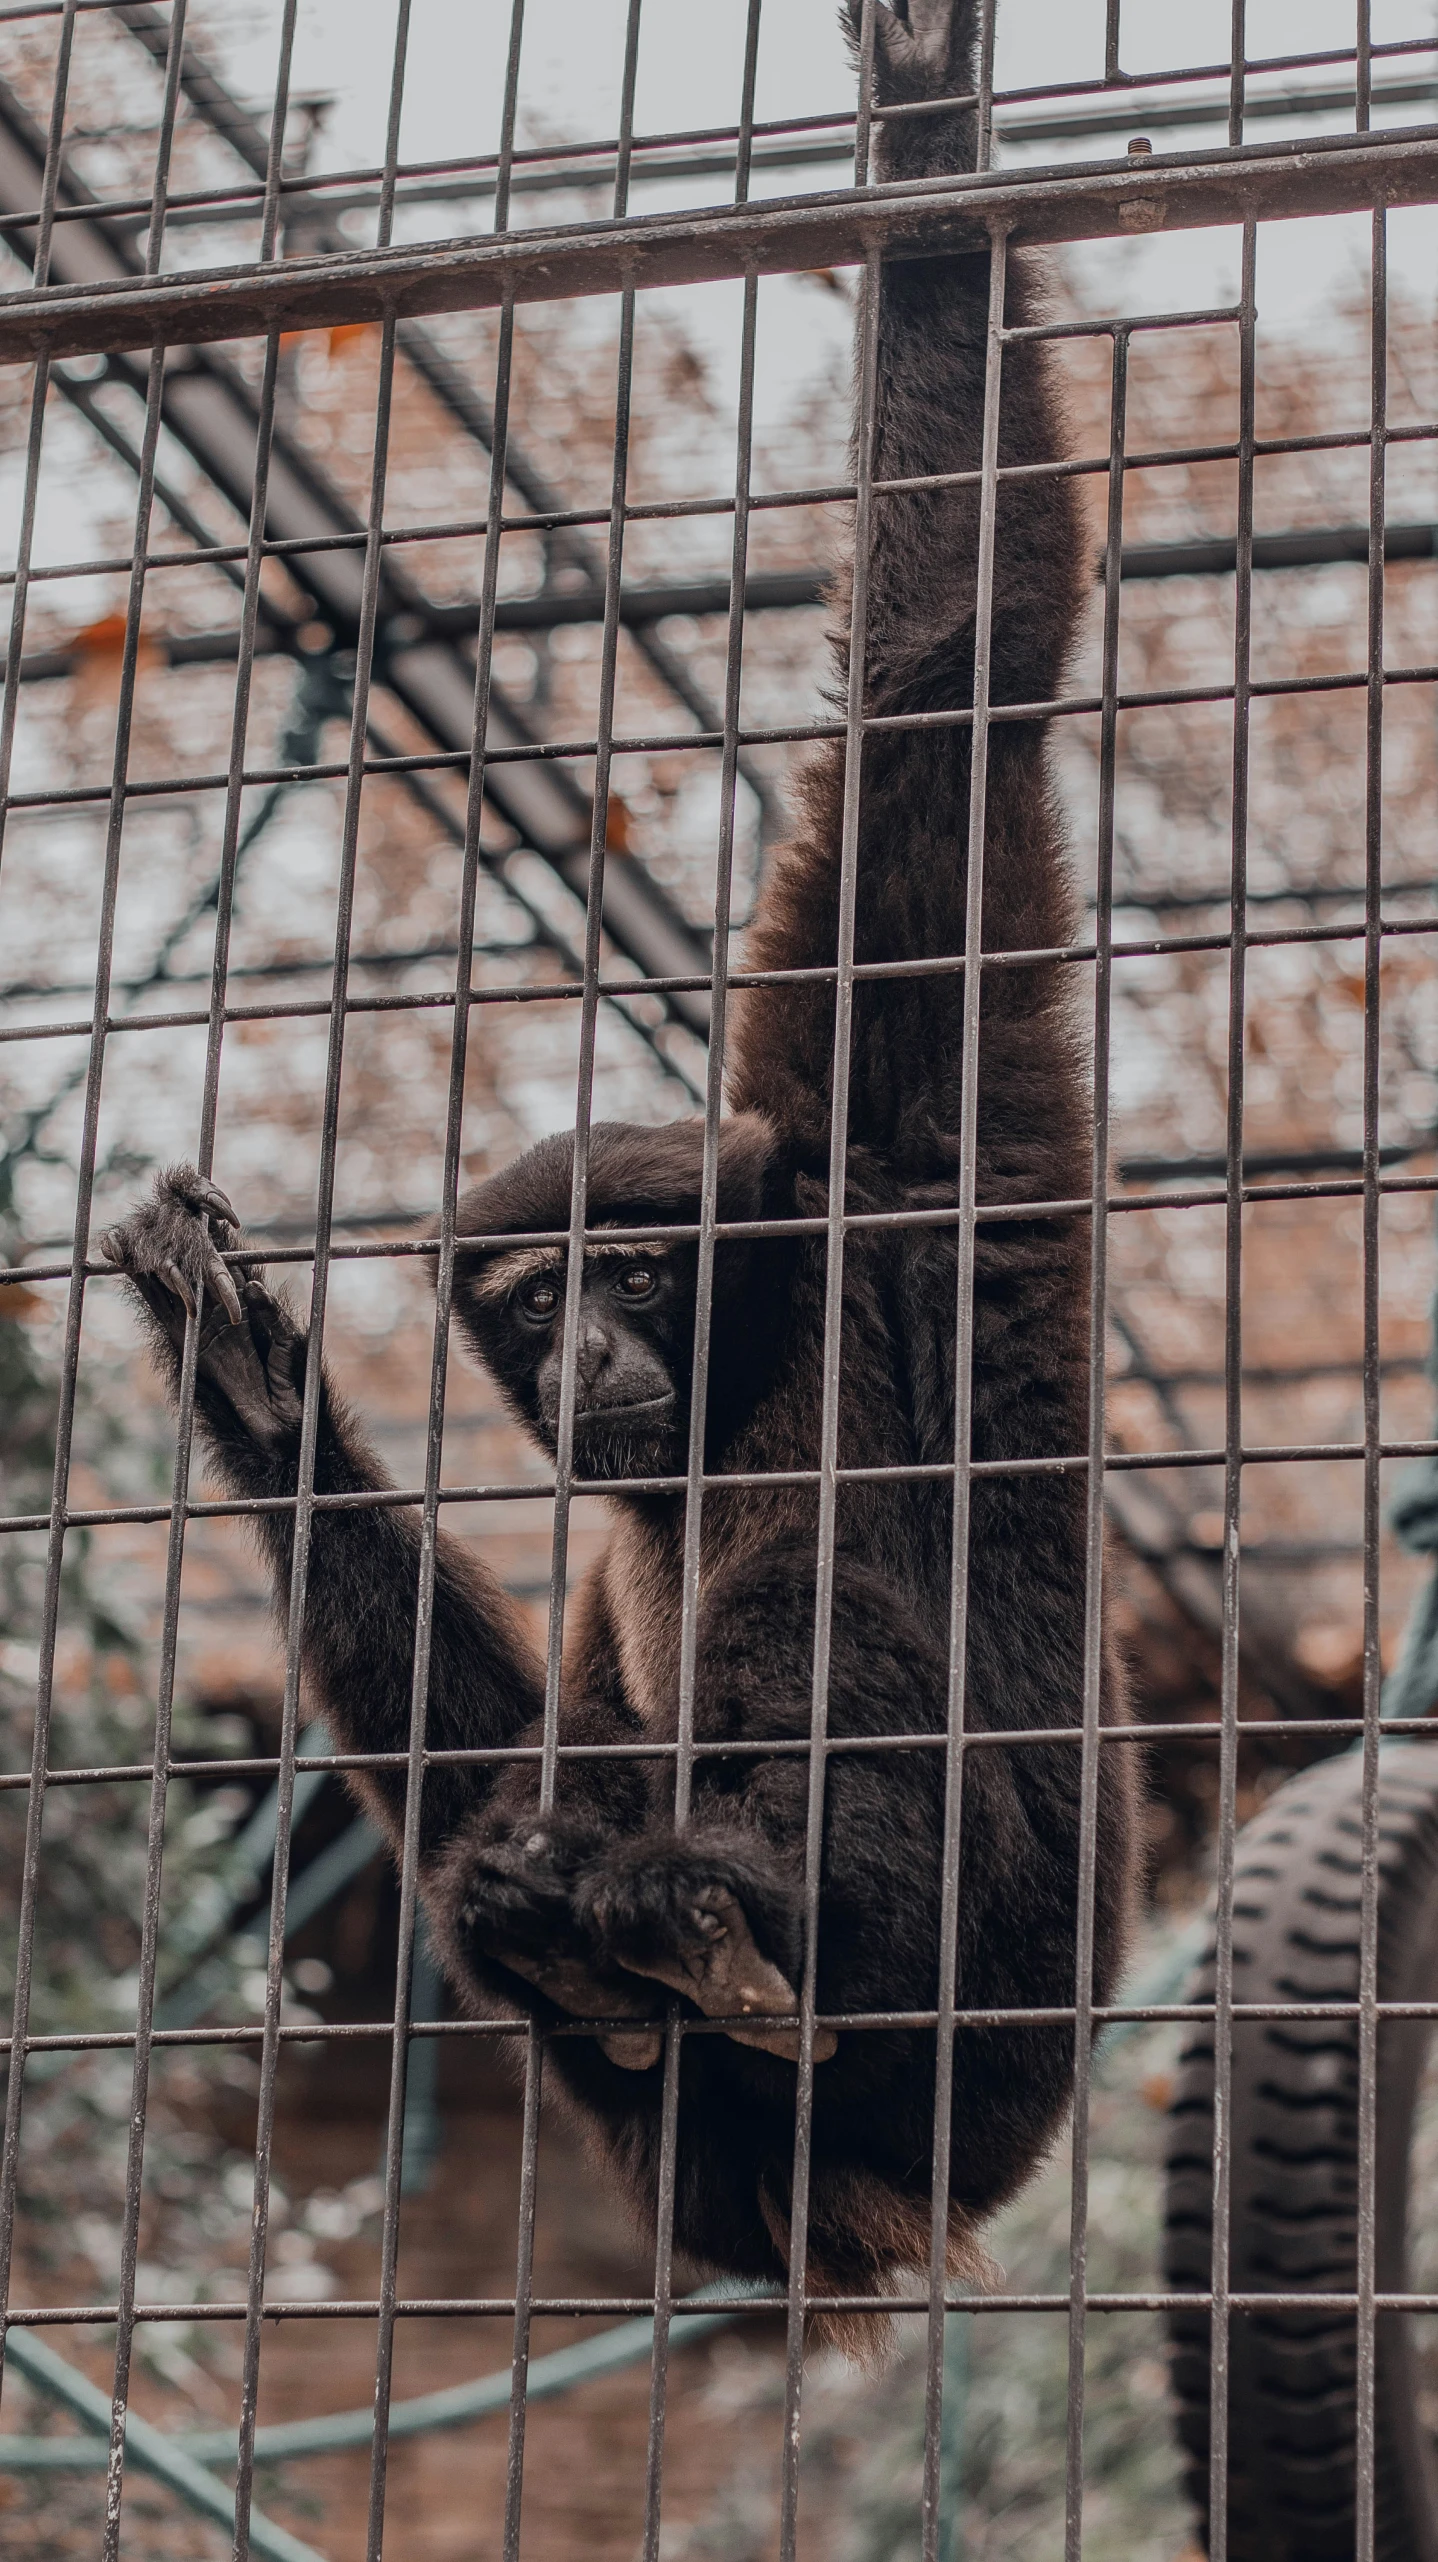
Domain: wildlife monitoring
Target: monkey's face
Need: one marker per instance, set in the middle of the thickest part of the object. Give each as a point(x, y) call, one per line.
point(633, 1331)
point(631, 1355)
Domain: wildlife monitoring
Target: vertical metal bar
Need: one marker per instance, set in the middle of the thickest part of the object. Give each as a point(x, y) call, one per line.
point(1363, 84)
point(384, 225)
point(74, 1314)
point(1237, 69)
point(719, 986)
point(439, 1356)
point(704, 1303)
point(309, 1429)
point(744, 153)
point(504, 173)
point(864, 111)
point(574, 1270)
point(988, 25)
point(1111, 70)
point(164, 1707)
point(868, 341)
point(279, 117)
point(1364, 2519)
point(1093, 1668)
point(54, 145)
point(963, 1405)
point(1220, 2318)
point(589, 1003)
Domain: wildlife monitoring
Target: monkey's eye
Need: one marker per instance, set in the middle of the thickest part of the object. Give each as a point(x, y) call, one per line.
point(638, 1281)
point(539, 1298)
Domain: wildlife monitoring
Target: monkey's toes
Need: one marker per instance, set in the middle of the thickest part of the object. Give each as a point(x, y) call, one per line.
point(719, 1965)
point(517, 1910)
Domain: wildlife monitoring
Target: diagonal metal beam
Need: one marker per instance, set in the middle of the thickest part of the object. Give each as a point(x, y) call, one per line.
point(445, 380)
point(208, 407)
point(277, 633)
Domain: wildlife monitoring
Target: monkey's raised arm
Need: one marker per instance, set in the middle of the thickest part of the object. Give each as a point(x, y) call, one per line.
point(920, 624)
point(929, 416)
point(363, 1581)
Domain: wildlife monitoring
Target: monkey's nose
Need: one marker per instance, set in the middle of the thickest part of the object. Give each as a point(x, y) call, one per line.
point(591, 1355)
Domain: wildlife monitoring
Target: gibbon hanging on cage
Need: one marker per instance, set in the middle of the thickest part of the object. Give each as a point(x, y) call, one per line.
point(596, 1906)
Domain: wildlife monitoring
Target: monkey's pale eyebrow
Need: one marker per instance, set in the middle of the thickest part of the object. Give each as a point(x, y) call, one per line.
point(496, 1277)
point(500, 1275)
point(620, 1253)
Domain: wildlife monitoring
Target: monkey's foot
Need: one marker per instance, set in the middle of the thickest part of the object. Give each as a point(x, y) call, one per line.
point(922, 48)
point(674, 1919)
point(518, 1910)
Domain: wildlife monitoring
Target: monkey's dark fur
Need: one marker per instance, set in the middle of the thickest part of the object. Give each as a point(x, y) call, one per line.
point(600, 1908)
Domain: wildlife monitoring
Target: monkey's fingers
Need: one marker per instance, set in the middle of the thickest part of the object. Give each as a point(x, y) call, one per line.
point(174, 1279)
point(219, 1281)
point(195, 1193)
point(726, 1973)
point(214, 1278)
point(207, 1196)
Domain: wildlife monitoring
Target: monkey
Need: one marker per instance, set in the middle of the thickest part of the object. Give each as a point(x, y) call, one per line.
point(598, 1907)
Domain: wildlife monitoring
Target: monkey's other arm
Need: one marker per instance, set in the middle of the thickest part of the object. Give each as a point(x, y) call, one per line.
point(363, 1580)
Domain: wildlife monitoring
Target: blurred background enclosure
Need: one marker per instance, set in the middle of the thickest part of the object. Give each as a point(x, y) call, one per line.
point(96, 685)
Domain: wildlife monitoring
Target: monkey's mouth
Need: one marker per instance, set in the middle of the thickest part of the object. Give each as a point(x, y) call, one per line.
point(647, 1410)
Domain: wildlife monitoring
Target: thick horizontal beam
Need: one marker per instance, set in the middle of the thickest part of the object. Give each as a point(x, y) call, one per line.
point(1341, 173)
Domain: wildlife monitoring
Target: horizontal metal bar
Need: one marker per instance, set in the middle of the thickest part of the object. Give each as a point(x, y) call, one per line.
point(672, 510)
point(1262, 1454)
point(781, 1747)
point(564, 168)
point(1331, 174)
point(1193, 1197)
point(850, 2023)
point(469, 2308)
point(766, 591)
point(503, 761)
point(551, 992)
point(452, 2406)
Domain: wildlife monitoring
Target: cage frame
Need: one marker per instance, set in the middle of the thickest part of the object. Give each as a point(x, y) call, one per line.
point(142, 314)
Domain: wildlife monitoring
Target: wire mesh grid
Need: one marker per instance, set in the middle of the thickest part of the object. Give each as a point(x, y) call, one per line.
point(112, 271)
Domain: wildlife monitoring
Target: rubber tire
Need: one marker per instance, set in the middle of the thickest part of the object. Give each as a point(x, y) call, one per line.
point(1292, 2403)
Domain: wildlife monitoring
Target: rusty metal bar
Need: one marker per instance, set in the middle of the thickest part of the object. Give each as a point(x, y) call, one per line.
point(1338, 173)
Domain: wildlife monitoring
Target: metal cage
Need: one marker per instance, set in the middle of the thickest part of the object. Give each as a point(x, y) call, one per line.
point(120, 299)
